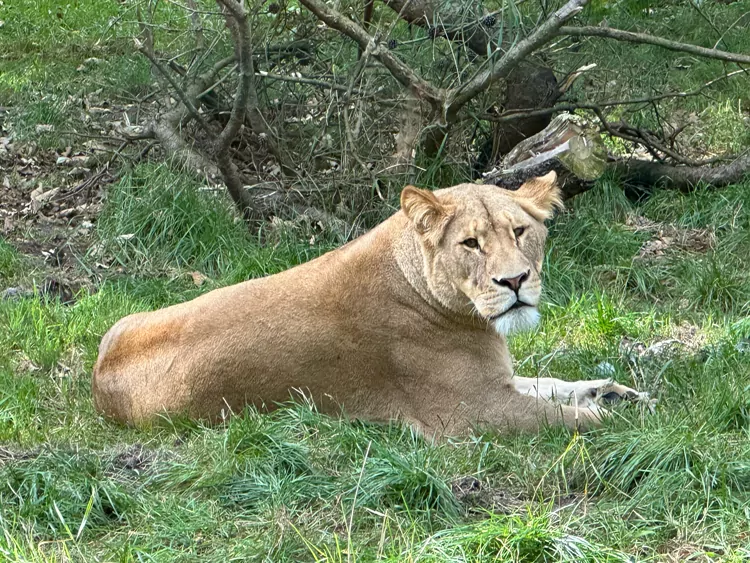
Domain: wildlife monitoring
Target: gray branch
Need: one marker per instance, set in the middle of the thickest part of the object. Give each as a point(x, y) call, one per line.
point(644, 38)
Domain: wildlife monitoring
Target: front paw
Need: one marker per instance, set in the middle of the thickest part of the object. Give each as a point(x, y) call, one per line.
point(612, 393)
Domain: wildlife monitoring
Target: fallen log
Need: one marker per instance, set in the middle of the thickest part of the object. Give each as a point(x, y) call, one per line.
point(577, 156)
point(576, 152)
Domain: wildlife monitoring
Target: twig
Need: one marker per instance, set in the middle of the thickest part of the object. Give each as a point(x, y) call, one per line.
point(197, 62)
point(644, 38)
point(614, 133)
point(195, 19)
point(193, 8)
point(311, 82)
point(424, 14)
point(728, 29)
point(146, 150)
point(709, 21)
point(99, 174)
point(85, 184)
point(349, 134)
point(650, 141)
point(218, 82)
point(354, 503)
point(243, 41)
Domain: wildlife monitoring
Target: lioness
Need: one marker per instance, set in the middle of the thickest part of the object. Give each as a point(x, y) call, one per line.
point(407, 321)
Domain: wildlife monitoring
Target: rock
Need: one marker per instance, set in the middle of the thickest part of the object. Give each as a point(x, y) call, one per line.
point(14, 293)
point(664, 350)
point(198, 278)
point(661, 351)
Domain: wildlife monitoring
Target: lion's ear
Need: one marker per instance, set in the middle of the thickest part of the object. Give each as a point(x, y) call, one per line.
point(425, 210)
point(540, 196)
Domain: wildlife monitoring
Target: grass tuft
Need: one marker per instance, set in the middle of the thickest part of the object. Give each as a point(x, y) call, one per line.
point(531, 537)
point(150, 221)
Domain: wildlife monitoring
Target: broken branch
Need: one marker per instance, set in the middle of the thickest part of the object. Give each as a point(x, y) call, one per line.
point(682, 178)
point(579, 158)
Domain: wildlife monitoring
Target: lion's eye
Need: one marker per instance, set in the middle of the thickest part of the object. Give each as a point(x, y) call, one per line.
point(518, 231)
point(471, 243)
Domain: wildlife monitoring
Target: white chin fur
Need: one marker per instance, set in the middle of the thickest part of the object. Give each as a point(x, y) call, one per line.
point(517, 320)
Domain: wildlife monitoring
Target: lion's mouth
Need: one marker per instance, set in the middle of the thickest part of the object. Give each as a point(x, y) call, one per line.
point(517, 305)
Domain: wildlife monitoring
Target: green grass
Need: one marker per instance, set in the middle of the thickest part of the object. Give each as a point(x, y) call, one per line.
point(55, 55)
point(298, 486)
point(10, 263)
point(150, 224)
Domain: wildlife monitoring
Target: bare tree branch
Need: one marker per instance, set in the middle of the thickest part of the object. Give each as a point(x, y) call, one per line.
point(510, 60)
point(194, 113)
point(652, 142)
point(246, 77)
point(531, 112)
point(312, 82)
point(215, 70)
point(242, 99)
point(197, 24)
point(446, 104)
point(239, 29)
point(644, 38)
point(403, 73)
point(579, 159)
point(347, 96)
point(166, 128)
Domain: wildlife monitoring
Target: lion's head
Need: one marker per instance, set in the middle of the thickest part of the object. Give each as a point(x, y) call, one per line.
point(483, 247)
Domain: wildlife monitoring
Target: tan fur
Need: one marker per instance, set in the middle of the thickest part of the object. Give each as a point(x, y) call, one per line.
point(396, 324)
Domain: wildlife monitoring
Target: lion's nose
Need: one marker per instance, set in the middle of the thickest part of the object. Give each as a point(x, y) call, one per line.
point(513, 283)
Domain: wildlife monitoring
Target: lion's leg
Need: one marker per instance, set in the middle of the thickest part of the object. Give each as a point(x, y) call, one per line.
point(504, 409)
point(528, 413)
